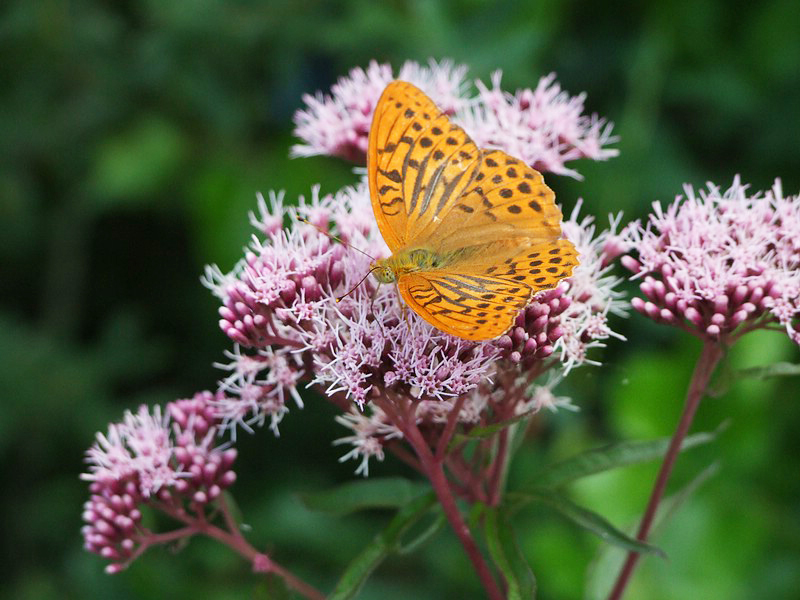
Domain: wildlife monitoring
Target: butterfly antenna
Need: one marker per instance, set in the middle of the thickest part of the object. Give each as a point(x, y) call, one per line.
point(333, 237)
point(352, 289)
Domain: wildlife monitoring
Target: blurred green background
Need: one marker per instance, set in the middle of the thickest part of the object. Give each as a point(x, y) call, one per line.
point(133, 138)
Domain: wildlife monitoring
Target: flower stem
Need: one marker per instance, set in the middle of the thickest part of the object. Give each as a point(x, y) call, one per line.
point(498, 469)
point(706, 363)
point(233, 538)
point(435, 471)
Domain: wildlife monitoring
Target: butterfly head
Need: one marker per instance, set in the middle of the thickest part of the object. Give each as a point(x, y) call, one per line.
point(383, 272)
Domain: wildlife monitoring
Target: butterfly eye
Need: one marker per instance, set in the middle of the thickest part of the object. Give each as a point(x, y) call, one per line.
point(384, 275)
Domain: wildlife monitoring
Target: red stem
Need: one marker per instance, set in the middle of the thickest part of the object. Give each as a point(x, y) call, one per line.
point(395, 448)
point(449, 428)
point(435, 471)
point(232, 538)
point(498, 468)
point(709, 357)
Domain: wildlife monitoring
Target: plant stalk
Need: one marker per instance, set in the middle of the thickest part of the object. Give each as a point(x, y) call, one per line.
point(706, 363)
point(434, 469)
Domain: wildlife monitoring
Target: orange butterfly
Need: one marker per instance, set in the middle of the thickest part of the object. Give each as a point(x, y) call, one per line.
point(474, 233)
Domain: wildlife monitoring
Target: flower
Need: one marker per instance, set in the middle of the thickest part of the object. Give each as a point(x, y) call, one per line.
point(545, 126)
point(300, 306)
point(371, 430)
point(167, 461)
point(338, 124)
point(591, 290)
point(719, 264)
point(356, 342)
point(138, 448)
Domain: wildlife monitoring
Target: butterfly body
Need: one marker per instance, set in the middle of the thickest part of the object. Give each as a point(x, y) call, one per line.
point(474, 233)
point(405, 262)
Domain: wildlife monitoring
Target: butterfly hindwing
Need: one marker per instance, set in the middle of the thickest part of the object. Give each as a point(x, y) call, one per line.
point(468, 306)
point(480, 299)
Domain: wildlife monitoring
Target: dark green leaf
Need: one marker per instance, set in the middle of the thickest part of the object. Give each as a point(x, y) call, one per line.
point(384, 544)
point(613, 456)
point(422, 537)
point(388, 492)
point(485, 431)
point(508, 556)
point(584, 518)
point(609, 560)
point(730, 376)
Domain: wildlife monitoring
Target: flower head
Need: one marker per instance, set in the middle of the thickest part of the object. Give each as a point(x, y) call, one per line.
point(366, 347)
point(545, 127)
point(168, 461)
point(592, 290)
point(338, 124)
point(718, 263)
point(299, 308)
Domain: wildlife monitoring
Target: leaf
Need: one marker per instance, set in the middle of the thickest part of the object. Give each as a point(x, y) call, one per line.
point(485, 431)
point(586, 519)
point(609, 559)
point(508, 556)
point(730, 376)
point(384, 544)
point(386, 492)
point(613, 456)
point(423, 536)
point(670, 506)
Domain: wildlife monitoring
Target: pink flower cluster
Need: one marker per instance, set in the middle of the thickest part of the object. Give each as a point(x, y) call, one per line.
point(338, 124)
point(545, 126)
point(719, 264)
point(279, 305)
point(168, 462)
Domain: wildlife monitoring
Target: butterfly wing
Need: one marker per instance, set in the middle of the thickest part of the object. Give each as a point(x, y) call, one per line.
point(418, 164)
point(487, 216)
point(468, 306)
point(479, 297)
point(507, 200)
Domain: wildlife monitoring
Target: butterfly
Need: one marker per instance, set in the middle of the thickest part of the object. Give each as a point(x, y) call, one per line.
point(474, 233)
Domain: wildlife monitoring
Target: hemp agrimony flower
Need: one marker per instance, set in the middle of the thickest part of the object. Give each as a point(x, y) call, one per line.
point(719, 264)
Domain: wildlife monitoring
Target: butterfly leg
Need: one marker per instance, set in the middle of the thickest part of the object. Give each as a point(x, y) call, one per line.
point(403, 308)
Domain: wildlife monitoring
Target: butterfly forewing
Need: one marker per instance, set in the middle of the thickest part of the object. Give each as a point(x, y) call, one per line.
point(419, 164)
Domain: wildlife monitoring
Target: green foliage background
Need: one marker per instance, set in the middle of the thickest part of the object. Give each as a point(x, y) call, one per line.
point(133, 139)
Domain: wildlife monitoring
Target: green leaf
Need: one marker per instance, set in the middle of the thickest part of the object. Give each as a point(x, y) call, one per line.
point(485, 431)
point(669, 507)
point(730, 376)
point(604, 568)
point(384, 544)
point(584, 518)
point(508, 556)
point(435, 527)
point(613, 456)
point(387, 492)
